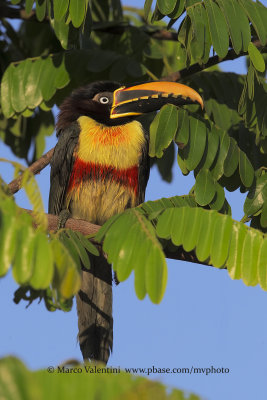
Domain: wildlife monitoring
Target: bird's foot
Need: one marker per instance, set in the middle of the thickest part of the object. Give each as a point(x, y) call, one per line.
point(63, 216)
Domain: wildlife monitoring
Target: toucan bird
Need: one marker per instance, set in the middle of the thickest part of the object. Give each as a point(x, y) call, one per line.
point(99, 168)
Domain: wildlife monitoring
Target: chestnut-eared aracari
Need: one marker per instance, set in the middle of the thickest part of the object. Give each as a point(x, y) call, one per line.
point(99, 168)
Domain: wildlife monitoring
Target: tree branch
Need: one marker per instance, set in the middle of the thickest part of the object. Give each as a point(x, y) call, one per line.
point(86, 228)
point(193, 69)
point(35, 168)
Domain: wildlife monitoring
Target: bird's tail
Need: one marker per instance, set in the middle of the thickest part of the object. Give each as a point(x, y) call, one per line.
point(94, 307)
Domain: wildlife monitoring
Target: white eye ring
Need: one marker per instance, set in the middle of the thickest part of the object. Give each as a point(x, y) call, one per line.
point(104, 100)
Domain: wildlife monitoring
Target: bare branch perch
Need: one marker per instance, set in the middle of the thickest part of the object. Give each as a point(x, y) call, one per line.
point(86, 228)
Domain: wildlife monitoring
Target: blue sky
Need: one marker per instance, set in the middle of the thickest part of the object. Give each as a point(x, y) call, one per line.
point(205, 319)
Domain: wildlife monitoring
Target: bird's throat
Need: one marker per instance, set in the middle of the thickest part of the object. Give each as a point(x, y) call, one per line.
point(114, 146)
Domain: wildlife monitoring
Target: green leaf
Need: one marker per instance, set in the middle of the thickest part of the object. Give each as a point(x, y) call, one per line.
point(183, 33)
point(139, 271)
point(87, 244)
point(203, 248)
point(67, 277)
point(234, 260)
point(262, 270)
point(153, 50)
point(256, 57)
point(8, 226)
point(256, 197)
point(194, 150)
point(212, 149)
point(178, 9)
point(181, 163)
point(262, 10)
point(147, 8)
point(231, 160)
point(176, 230)
point(221, 240)
point(29, 6)
point(77, 12)
point(245, 169)
point(33, 95)
point(263, 220)
point(62, 32)
point(182, 135)
point(126, 258)
point(191, 229)
point(43, 268)
point(218, 170)
point(164, 225)
point(165, 163)
point(162, 130)
point(243, 24)
point(17, 89)
point(61, 75)
point(60, 8)
point(201, 40)
point(219, 199)
point(6, 85)
point(23, 261)
point(250, 81)
point(237, 22)
point(253, 12)
point(114, 239)
point(104, 228)
point(166, 6)
point(47, 83)
point(32, 190)
point(156, 275)
point(80, 249)
point(218, 28)
point(249, 259)
point(204, 187)
point(40, 9)
point(70, 248)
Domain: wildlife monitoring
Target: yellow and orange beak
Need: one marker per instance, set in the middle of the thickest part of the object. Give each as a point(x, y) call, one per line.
point(151, 96)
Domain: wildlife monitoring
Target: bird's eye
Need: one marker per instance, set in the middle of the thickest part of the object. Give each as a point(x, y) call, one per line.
point(104, 100)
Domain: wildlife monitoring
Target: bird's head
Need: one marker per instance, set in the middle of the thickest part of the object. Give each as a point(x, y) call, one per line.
point(111, 103)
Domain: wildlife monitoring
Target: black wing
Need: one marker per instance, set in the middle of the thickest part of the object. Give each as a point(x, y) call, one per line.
point(143, 170)
point(61, 167)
